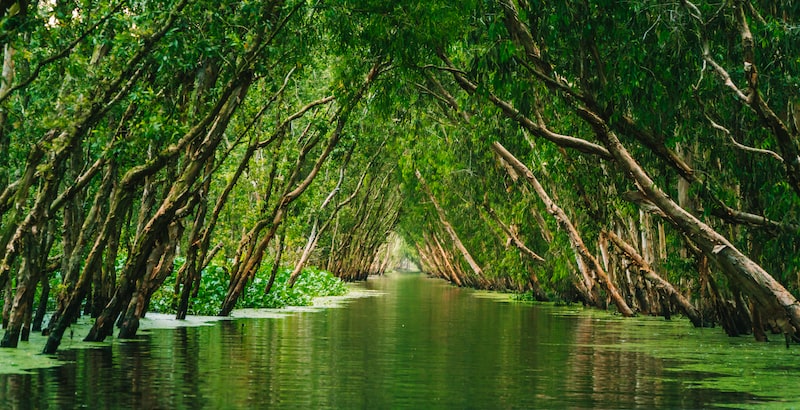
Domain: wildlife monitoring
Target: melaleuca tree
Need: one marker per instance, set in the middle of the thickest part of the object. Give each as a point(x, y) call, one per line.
point(133, 133)
point(612, 88)
point(586, 77)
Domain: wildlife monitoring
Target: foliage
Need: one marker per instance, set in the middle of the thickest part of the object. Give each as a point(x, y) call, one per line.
point(312, 283)
point(128, 122)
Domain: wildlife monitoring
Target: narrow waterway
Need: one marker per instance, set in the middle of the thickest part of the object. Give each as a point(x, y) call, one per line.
point(415, 343)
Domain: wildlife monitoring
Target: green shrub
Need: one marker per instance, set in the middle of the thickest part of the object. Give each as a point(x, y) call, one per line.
point(214, 285)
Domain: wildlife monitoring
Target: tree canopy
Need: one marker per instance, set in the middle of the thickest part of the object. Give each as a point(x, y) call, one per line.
point(641, 156)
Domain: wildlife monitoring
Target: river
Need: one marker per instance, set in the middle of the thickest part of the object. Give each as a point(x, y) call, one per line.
point(415, 342)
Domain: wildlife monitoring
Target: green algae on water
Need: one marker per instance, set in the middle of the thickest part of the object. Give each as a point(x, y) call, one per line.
point(27, 356)
point(704, 358)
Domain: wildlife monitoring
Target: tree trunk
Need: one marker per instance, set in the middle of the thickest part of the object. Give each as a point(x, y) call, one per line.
point(644, 268)
point(156, 228)
point(198, 243)
point(160, 265)
point(476, 269)
point(248, 266)
point(32, 239)
point(276, 266)
point(773, 299)
point(448, 262)
point(27, 278)
point(41, 308)
point(8, 300)
point(778, 305)
point(583, 254)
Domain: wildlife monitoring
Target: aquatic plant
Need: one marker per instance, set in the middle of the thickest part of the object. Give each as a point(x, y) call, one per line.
point(311, 283)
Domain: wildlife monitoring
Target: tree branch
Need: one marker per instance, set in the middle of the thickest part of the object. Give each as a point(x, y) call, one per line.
point(742, 146)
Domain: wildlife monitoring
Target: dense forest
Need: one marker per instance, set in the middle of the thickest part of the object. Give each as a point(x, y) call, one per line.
point(640, 156)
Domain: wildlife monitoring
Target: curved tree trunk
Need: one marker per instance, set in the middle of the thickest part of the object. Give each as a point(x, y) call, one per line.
point(247, 267)
point(31, 237)
point(178, 197)
point(582, 252)
point(159, 266)
point(644, 268)
point(778, 305)
point(476, 269)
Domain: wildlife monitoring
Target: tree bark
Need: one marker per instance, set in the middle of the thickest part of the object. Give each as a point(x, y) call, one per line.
point(476, 269)
point(775, 302)
point(248, 266)
point(31, 237)
point(583, 254)
point(159, 266)
point(646, 271)
point(781, 307)
point(178, 195)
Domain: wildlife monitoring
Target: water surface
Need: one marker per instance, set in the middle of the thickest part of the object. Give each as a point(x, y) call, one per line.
point(417, 343)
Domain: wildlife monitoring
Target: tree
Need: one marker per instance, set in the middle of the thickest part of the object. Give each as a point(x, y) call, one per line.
point(141, 141)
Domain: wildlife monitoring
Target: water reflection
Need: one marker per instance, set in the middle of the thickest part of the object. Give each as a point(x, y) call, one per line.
point(423, 344)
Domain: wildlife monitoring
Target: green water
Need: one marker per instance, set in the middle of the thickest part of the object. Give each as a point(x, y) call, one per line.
point(419, 343)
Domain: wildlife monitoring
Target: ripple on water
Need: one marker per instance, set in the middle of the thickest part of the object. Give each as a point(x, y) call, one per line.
point(422, 344)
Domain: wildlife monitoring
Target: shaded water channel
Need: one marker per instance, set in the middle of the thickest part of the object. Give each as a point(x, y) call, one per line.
point(414, 343)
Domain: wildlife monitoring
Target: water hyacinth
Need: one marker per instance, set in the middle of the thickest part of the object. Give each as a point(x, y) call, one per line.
point(310, 284)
